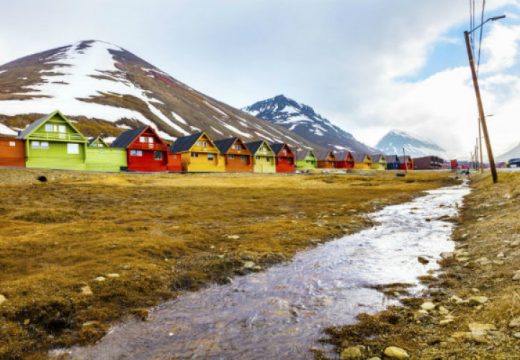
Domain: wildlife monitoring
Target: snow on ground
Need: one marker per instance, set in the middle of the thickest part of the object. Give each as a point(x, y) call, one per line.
point(236, 131)
point(7, 131)
point(81, 65)
point(342, 148)
point(179, 118)
point(269, 140)
point(2, 71)
point(217, 131)
point(215, 109)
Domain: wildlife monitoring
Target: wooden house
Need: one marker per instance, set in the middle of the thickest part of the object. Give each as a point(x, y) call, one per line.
point(344, 160)
point(263, 157)
point(362, 161)
point(198, 153)
point(102, 157)
point(54, 142)
point(284, 158)
point(392, 162)
point(428, 163)
point(237, 157)
point(174, 161)
point(12, 152)
point(306, 159)
point(145, 150)
point(326, 159)
point(405, 163)
point(378, 162)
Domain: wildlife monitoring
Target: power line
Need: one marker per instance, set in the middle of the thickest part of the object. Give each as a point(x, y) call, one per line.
point(481, 30)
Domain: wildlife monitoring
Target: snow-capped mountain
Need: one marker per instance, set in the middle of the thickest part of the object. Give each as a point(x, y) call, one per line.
point(304, 121)
point(394, 142)
point(514, 153)
point(106, 89)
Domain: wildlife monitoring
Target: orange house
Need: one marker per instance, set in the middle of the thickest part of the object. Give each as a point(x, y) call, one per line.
point(12, 152)
point(326, 159)
point(237, 156)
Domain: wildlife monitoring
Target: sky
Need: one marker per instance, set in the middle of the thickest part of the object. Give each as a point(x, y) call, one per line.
point(367, 65)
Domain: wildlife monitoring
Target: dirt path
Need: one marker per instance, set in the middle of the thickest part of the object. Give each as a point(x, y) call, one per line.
point(472, 308)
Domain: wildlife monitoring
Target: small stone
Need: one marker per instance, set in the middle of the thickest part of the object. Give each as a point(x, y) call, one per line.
point(515, 243)
point(475, 290)
point(100, 279)
point(113, 275)
point(477, 300)
point(445, 321)
point(498, 262)
point(516, 275)
point(26, 321)
point(89, 323)
point(446, 255)
point(395, 352)
point(500, 255)
point(515, 322)
point(248, 265)
point(3, 299)
point(443, 310)
point(375, 358)
point(479, 329)
point(233, 237)
point(86, 290)
point(457, 299)
point(428, 305)
point(423, 260)
point(352, 352)
point(517, 335)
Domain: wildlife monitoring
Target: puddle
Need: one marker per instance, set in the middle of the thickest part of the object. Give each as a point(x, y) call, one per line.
point(281, 313)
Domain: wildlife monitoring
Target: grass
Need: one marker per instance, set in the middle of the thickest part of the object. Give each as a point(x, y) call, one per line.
point(487, 255)
point(151, 236)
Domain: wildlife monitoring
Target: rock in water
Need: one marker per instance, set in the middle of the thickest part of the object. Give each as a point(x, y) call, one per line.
point(395, 352)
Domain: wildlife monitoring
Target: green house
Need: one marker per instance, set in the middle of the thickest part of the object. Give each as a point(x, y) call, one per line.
point(263, 157)
point(101, 157)
point(306, 159)
point(54, 142)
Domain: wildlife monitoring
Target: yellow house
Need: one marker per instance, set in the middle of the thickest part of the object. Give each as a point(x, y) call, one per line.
point(378, 162)
point(263, 157)
point(198, 153)
point(362, 161)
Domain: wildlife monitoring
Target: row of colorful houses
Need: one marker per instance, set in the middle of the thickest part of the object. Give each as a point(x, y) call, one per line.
point(54, 142)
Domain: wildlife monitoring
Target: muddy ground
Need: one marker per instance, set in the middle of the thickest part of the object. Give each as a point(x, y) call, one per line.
point(471, 309)
point(85, 249)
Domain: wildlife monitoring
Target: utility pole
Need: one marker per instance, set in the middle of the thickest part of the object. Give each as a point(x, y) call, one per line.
point(480, 108)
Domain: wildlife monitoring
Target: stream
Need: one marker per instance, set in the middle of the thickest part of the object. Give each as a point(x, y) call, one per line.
point(281, 313)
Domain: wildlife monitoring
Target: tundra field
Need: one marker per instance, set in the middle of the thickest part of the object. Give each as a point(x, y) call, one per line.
point(85, 249)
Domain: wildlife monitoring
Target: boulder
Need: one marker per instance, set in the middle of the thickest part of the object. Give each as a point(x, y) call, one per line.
point(248, 265)
point(395, 352)
point(428, 305)
point(351, 352)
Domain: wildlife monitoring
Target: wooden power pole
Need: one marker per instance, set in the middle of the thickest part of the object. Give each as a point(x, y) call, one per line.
point(481, 109)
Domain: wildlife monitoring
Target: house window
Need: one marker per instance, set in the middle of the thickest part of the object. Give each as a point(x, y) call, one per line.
point(71, 148)
point(238, 147)
point(136, 153)
point(49, 128)
point(157, 155)
point(202, 143)
point(35, 144)
point(12, 143)
point(62, 129)
point(231, 157)
point(243, 158)
point(150, 140)
point(211, 156)
point(44, 145)
point(194, 155)
point(258, 158)
point(142, 139)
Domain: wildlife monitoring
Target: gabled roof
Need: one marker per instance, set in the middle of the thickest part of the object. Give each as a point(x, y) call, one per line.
point(97, 139)
point(360, 157)
point(301, 154)
point(185, 143)
point(224, 145)
point(126, 138)
point(342, 155)
point(404, 158)
point(255, 145)
point(323, 155)
point(378, 158)
point(392, 159)
point(36, 124)
point(277, 147)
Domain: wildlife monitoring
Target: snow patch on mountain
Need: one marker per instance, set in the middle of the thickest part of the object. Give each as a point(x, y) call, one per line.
point(395, 141)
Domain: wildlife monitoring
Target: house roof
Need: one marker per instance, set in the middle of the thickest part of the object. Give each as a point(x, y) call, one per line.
point(35, 124)
point(277, 147)
point(224, 145)
point(323, 155)
point(255, 145)
point(359, 157)
point(404, 158)
point(301, 154)
point(126, 138)
point(392, 159)
point(94, 139)
point(185, 143)
point(378, 158)
point(342, 155)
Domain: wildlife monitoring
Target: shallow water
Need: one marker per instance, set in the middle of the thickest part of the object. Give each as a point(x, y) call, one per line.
point(281, 313)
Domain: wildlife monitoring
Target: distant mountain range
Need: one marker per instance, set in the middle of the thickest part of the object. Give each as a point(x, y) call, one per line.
point(304, 121)
point(106, 89)
point(511, 154)
point(394, 142)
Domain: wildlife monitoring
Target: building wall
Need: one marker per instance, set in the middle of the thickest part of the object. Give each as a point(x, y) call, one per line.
point(174, 163)
point(362, 166)
point(345, 164)
point(105, 159)
point(379, 166)
point(264, 164)
point(12, 152)
point(326, 164)
point(238, 163)
point(56, 156)
point(201, 163)
point(147, 162)
point(284, 164)
point(308, 163)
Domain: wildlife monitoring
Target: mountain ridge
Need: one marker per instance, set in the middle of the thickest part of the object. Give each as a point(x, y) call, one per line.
point(393, 142)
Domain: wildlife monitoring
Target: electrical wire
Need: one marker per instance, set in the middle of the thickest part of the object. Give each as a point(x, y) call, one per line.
point(481, 30)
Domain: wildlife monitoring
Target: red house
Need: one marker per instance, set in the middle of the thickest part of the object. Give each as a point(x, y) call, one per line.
point(174, 162)
point(344, 160)
point(284, 158)
point(405, 163)
point(12, 152)
point(145, 150)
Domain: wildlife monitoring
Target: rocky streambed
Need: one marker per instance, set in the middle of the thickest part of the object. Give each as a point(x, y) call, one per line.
point(281, 312)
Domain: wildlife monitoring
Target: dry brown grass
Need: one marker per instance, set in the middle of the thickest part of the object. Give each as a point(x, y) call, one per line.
point(162, 234)
point(488, 228)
